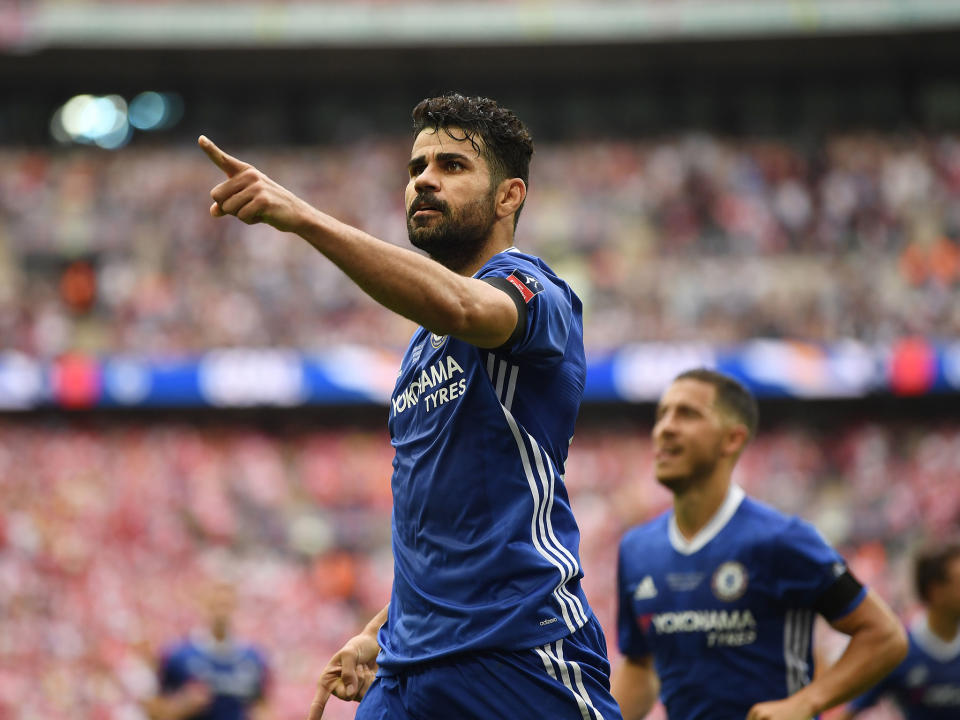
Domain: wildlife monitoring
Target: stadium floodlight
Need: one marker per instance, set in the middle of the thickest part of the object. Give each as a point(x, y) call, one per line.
point(152, 110)
point(90, 119)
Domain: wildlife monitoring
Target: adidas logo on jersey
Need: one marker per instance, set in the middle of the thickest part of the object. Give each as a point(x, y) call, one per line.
point(645, 589)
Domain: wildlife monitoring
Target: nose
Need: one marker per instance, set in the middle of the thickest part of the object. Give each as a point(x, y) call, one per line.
point(429, 179)
point(663, 425)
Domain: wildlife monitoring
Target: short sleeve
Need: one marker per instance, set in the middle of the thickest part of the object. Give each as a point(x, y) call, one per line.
point(171, 674)
point(630, 637)
point(811, 574)
point(549, 305)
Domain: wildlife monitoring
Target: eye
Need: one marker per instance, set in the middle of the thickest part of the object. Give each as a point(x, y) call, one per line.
point(454, 165)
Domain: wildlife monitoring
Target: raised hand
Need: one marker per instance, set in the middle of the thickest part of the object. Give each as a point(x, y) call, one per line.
point(349, 673)
point(252, 196)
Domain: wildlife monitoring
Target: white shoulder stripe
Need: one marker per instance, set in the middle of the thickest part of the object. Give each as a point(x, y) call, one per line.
point(500, 377)
point(497, 369)
point(511, 386)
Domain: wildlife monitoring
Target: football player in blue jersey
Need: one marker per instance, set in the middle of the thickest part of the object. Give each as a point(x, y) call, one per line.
point(717, 597)
point(487, 617)
point(211, 675)
point(926, 686)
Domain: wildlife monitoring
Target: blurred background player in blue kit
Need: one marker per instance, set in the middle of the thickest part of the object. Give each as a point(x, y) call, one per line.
point(926, 685)
point(717, 598)
point(487, 617)
point(212, 675)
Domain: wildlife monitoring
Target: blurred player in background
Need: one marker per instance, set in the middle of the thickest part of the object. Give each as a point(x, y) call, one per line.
point(487, 617)
point(926, 685)
point(211, 675)
point(717, 598)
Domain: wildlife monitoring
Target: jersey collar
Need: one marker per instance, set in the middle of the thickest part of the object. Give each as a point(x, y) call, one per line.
point(204, 639)
point(717, 523)
point(511, 249)
point(931, 643)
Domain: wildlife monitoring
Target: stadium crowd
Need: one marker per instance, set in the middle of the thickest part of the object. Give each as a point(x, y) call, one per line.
point(107, 531)
point(670, 239)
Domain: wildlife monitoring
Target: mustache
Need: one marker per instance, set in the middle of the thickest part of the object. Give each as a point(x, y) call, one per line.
point(426, 199)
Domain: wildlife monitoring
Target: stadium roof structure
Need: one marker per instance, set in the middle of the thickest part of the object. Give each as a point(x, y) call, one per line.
point(52, 24)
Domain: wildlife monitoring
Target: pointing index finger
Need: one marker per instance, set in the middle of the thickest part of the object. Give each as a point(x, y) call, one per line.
point(229, 164)
point(319, 703)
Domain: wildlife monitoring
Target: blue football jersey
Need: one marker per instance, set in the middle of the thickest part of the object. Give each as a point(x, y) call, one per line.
point(926, 685)
point(727, 616)
point(486, 548)
point(235, 673)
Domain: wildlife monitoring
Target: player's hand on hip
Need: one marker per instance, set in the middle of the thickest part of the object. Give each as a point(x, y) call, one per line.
point(250, 195)
point(791, 708)
point(349, 673)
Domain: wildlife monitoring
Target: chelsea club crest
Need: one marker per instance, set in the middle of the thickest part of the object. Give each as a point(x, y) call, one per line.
point(729, 581)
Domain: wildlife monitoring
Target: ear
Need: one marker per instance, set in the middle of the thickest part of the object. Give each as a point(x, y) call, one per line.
point(735, 439)
point(510, 196)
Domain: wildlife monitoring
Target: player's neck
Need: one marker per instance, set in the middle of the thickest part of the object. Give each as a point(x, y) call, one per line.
point(496, 243)
point(944, 625)
point(696, 505)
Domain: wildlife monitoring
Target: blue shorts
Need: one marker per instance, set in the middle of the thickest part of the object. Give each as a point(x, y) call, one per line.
point(568, 679)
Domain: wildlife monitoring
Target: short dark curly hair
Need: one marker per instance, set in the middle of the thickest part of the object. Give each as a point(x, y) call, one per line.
point(506, 143)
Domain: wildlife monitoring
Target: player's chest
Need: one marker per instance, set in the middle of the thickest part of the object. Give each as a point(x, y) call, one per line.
point(934, 685)
point(238, 677)
point(435, 376)
point(715, 602)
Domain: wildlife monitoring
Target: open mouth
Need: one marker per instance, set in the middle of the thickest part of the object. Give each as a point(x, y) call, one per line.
point(425, 207)
point(665, 453)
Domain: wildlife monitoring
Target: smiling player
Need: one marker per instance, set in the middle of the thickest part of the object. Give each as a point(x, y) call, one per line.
point(717, 598)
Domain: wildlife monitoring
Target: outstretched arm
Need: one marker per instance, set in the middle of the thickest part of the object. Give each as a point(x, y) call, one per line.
point(406, 282)
point(635, 687)
point(877, 645)
point(352, 669)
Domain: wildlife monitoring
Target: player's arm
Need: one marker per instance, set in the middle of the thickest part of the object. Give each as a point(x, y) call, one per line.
point(403, 281)
point(877, 645)
point(352, 669)
point(635, 686)
point(260, 710)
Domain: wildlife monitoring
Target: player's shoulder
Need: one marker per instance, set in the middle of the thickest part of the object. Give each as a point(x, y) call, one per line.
point(255, 652)
point(783, 532)
point(514, 261)
point(177, 651)
point(648, 534)
point(757, 510)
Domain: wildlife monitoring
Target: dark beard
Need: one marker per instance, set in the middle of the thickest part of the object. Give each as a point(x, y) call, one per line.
point(702, 467)
point(456, 238)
